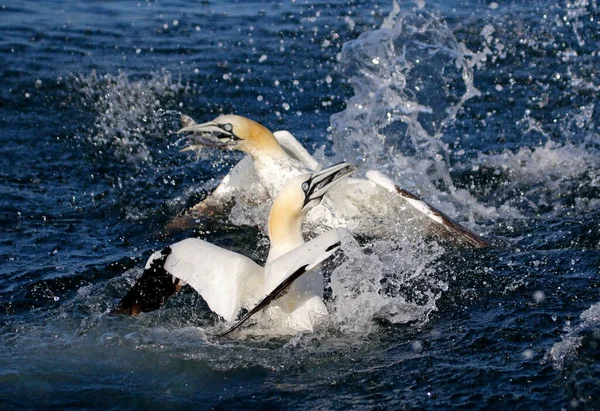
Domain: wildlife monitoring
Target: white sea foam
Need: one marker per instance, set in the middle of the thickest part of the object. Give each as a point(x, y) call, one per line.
point(539, 176)
point(390, 280)
point(565, 350)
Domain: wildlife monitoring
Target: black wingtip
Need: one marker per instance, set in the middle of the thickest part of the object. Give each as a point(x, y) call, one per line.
point(151, 290)
point(452, 226)
point(333, 246)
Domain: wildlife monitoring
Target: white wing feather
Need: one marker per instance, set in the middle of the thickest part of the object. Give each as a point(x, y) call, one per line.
point(227, 281)
point(286, 275)
point(296, 150)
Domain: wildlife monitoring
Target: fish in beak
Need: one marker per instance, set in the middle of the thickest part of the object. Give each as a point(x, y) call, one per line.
point(209, 134)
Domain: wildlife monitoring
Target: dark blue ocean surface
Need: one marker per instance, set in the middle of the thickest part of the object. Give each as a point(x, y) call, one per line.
point(489, 110)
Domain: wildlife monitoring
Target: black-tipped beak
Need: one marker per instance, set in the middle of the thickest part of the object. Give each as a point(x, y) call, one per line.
point(322, 181)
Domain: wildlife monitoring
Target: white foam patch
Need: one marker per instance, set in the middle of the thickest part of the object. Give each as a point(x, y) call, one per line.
point(565, 350)
point(540, 177)
point(393, 281)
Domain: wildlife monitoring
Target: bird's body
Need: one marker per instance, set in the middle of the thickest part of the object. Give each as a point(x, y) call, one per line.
point(290, 282)
point(373, 206)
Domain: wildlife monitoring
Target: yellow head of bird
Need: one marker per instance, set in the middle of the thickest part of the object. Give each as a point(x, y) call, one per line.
point(230, 132)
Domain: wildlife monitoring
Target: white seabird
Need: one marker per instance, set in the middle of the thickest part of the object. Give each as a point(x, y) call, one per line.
point(366, 206)
point(291, 285)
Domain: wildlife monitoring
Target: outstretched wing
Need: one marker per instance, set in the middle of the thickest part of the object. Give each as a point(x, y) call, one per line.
point(442, 222)
point(226, 280)
point(291, 266)
point(296, 150)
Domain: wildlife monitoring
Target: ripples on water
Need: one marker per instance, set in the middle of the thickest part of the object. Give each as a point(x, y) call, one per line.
point(486, 109)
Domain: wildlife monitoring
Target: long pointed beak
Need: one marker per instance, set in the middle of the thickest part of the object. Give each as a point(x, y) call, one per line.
point(322, 181)
point(204, 135)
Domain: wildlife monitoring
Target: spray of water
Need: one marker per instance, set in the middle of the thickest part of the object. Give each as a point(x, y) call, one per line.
point(129, 113)
point(564, 353)
point(410, 77)
point(394, 281)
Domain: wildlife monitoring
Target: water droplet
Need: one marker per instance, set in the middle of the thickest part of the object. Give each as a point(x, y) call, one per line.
point(527, 354)
point(417, 346)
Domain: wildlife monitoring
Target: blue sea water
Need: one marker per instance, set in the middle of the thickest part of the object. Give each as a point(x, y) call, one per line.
point(489, 110)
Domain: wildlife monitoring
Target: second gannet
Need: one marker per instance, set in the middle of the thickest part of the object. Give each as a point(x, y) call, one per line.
point(367, 207)
point(291, 285)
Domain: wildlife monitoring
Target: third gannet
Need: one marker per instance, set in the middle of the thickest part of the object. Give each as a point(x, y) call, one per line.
point(367, 207)
point(228, 281)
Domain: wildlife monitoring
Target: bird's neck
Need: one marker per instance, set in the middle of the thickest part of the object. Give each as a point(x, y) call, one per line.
point(285, 230)
point(264, 144)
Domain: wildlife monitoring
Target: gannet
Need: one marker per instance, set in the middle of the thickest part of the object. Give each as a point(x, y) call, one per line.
point(290, 283)
point(368, 207)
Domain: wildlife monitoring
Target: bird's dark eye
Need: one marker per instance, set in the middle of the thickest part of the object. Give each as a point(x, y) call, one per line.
point(305, 186)
point(227, 127)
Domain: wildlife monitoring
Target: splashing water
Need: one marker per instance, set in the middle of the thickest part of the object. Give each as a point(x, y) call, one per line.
point(535, 179)
point(129, 113)
point(585, 335)
point(531, 180)
point(410, 78)
point(390, 280)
